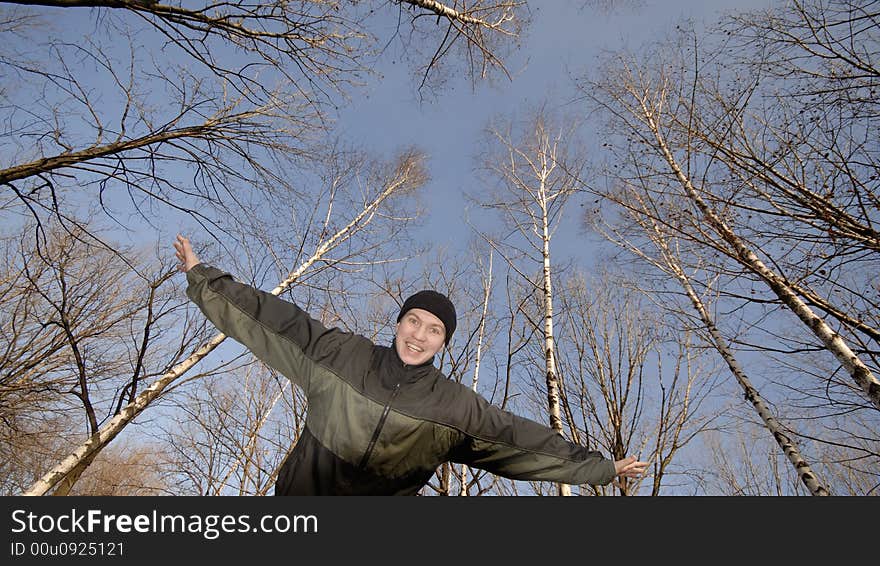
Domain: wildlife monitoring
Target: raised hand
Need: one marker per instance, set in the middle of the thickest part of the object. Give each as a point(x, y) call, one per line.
point(185, 254)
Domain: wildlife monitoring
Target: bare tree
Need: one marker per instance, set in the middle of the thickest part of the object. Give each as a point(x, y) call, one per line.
point(312, 44)
point(638, 214)
point(71, 153)
point(645, 104)
point(762, 165)
point(861, 374)
point(814, 164)
point(123, 471)
point(230, 436)
point(478, 33)
point(486, 276)
point(214, 140)
point(506, 359)
point(317, 44)
point(77, 344)
point(536, 175)
point(745, 466)
point(628, 389)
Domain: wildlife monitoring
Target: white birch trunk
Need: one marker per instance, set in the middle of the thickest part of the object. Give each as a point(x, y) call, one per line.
point(549, 344)
point(788, 446)
point(463, 473)
point(251, 444)
point(456, 15)
point(860, 373)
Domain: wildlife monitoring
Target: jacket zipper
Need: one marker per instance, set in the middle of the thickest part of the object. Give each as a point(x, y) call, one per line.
point(379, 426)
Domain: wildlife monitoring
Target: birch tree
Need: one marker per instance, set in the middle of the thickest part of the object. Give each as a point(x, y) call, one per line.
point(535, 175)
point(486, 277)
point(512, 366)
point(638, 216)
point(654, 105)
point(764, 164)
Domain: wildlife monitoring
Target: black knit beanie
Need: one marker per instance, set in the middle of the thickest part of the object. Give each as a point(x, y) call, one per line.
point(436, 304)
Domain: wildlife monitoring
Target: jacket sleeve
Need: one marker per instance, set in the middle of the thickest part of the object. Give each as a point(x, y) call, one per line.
point(508, 445)
point(278, 332)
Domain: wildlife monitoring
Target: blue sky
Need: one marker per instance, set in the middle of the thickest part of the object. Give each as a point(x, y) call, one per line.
point(566, 40)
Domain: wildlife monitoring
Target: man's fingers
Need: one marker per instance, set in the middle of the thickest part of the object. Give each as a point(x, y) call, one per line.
point(634, 469)
point(180, 244)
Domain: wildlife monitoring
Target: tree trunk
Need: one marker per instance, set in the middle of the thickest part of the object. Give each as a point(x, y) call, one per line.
point(832, 341)
point(552, 374)
point(463, 473)
point(788, 446)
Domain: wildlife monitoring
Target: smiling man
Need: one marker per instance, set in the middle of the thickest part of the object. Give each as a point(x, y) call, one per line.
point(422, 326)
point(381, 420)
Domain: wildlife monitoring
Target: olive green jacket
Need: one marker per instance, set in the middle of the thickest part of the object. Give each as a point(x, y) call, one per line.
point(374, 424)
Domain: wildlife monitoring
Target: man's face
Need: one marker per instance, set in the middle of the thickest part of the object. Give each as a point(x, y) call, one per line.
point(420, 335)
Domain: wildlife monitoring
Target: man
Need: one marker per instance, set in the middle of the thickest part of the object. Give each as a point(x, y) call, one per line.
point(381, 420)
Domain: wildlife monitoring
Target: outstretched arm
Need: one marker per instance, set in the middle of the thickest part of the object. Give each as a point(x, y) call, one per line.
point(278, 332)
point(508, 445)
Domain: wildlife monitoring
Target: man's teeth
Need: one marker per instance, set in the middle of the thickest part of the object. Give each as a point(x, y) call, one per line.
point(414, 348)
